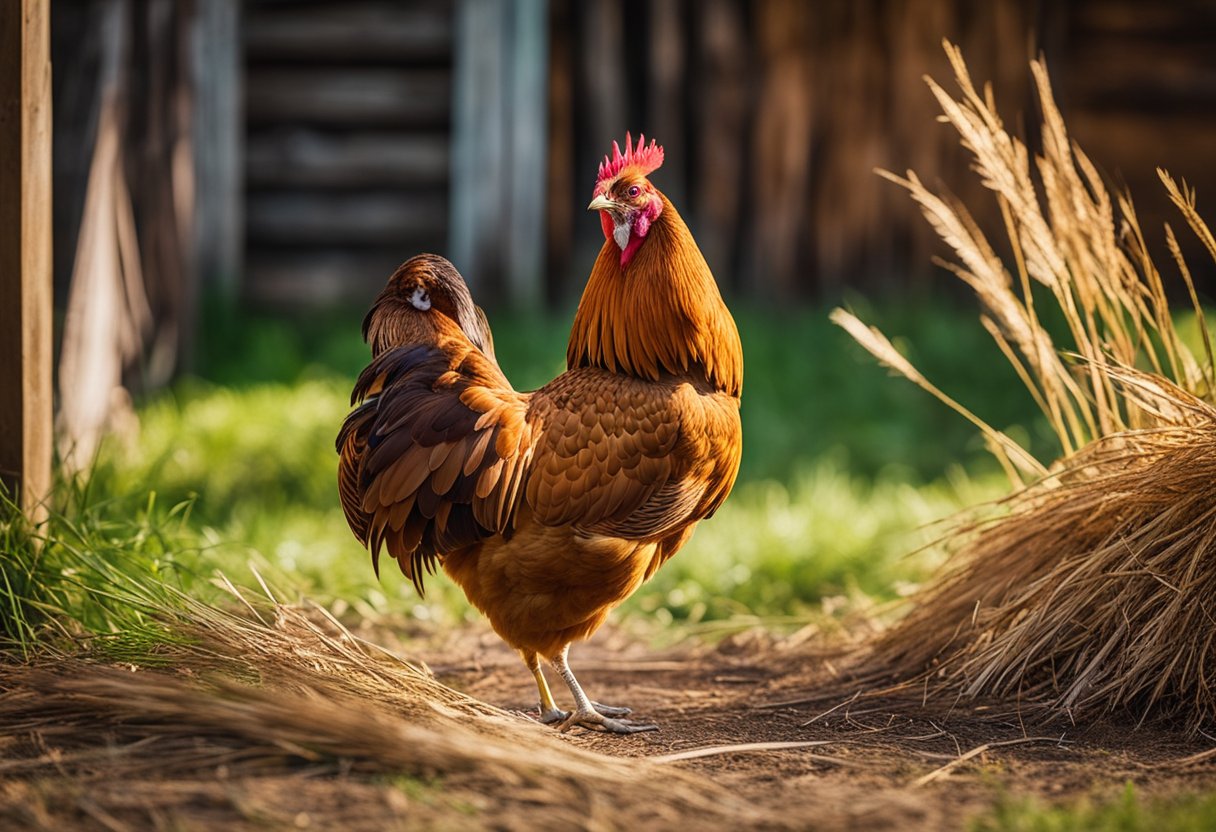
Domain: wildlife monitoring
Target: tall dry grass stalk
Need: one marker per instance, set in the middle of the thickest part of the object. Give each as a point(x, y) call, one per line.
point(1095, 590)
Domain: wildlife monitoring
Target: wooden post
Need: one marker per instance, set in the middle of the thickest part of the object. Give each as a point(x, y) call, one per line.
point(219, 129)
point(478, 154)
point(499, 131)
point(25, 251)
point(665, 109)
point(562, 208)
point(528, 129)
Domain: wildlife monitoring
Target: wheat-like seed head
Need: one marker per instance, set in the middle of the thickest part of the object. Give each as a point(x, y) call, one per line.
point(1091, 589)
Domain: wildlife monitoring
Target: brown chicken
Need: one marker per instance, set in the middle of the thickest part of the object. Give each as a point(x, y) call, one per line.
point(552, 507)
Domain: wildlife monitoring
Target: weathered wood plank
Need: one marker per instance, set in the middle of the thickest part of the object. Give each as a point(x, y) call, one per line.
point(665, 111)
point(374, 97)
point(1183, 77)
point(365, 31)
point(561, 211)
point(356, 218)
point(25, 250)
point(479, 152)
point(499, 137)
point(325, 276)
point(527, 129)
point(303, 157)
point(218, 131)
point(719, 129)
point(1167, 21)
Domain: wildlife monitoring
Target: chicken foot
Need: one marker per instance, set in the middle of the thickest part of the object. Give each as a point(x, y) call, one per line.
point(549, 712)
point(588, 714)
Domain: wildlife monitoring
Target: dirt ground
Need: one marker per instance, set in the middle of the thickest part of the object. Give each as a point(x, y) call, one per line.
point(883, 762)
point(846, 763)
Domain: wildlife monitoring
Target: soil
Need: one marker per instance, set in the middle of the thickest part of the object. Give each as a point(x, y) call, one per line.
point(878, 762)
point(849, 762)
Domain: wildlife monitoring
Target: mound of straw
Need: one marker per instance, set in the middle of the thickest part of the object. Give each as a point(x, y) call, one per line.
point(1092, 589)
point(281, 694)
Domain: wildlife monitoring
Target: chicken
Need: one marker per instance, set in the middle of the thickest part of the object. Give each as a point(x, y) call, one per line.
point(550, 508)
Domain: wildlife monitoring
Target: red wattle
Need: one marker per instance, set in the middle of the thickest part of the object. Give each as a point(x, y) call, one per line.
point(631, 248)
point(639, 230)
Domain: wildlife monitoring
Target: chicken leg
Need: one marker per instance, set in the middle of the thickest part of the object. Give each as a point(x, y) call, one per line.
point(588, 714)
point(549, 712)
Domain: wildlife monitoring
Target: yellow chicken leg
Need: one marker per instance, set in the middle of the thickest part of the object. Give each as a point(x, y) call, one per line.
point(549, 712)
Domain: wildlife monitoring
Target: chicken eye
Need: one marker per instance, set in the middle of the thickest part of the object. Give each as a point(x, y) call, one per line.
point(634, 190)
point(420, 299)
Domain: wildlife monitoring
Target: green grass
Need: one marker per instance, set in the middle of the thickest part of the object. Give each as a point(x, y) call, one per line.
point(808, 389)
point(1128, 813)
point(100, 574)
point(257, 468)
point(842, 466)
point(234, 469)
point(783, 550)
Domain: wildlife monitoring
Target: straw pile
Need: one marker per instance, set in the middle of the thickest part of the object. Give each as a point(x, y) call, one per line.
point(284, 694)
point(1092, 589)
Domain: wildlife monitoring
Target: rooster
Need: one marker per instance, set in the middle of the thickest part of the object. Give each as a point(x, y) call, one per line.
point(550, 508)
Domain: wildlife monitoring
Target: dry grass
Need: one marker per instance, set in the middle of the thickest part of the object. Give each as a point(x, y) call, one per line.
point(283, 691)
point(1091, 589)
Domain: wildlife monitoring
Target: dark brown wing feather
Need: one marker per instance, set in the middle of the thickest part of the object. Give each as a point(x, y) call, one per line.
point(428, 457)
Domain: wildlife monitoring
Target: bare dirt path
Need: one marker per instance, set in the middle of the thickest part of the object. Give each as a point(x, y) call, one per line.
point(885, 763)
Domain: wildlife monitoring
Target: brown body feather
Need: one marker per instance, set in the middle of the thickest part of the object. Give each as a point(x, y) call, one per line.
point(550, 508)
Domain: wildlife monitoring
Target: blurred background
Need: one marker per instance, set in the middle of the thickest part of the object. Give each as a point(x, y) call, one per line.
point(234, 181)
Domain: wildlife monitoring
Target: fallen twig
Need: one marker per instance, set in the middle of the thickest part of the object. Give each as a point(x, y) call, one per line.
point(975, 752)
point(714, 750)
point(1195, 759)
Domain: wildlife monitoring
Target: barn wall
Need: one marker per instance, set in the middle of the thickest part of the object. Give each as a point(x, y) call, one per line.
point(774, 114)
point(1138, 90)
point(348, 129)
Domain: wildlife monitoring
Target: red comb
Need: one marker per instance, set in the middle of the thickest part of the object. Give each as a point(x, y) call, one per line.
point(645, 159)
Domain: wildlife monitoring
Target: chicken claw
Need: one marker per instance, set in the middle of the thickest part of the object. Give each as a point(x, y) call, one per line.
point(548, 716)
point(611, 710)
point(595, 721)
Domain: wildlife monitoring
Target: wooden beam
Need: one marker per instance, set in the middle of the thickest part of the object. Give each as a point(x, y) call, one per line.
point(499, 127)
point(219, 129)
point(528, 129)
point(25, 250)
point(419, 31)
point(361, 217)
point(479, 153)
point(357, 97)
point(298, 157)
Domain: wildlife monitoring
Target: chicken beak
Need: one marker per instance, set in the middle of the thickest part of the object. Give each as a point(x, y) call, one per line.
point(601, 203)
